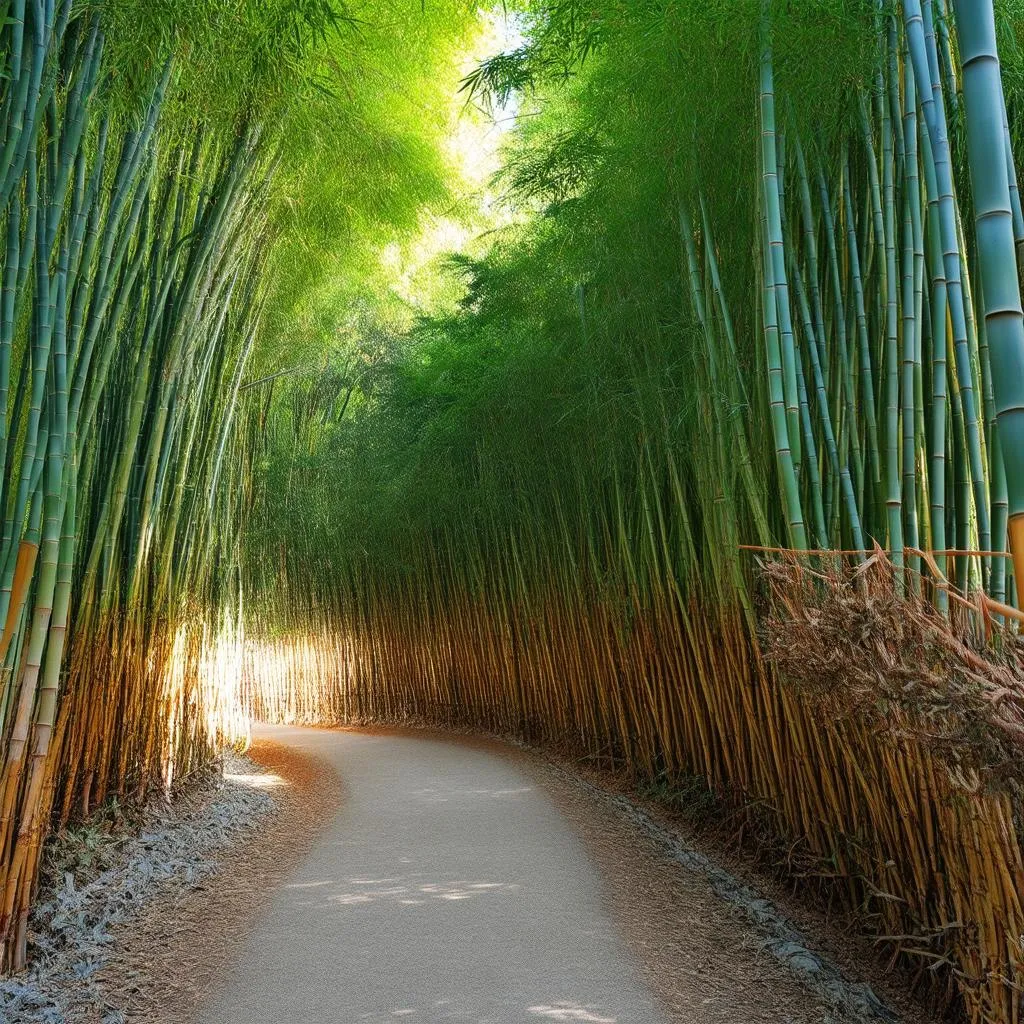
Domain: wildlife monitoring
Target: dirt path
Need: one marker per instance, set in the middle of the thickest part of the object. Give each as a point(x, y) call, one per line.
point(453, 884)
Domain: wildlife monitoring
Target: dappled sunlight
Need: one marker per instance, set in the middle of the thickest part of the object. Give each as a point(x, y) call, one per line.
point(410, 893)
point(443, 795)
point(267, 781)
point(559, 1010)
point(571, 1012)
point(472, 145)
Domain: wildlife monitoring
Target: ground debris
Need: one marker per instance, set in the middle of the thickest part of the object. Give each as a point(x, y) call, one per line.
point(99, 875)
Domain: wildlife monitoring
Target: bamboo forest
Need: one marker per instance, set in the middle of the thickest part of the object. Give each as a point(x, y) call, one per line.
point(633, 384)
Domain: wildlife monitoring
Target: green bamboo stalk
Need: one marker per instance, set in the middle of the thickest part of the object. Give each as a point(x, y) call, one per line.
point(935, 116)
point(1004, 321)
point(911, 272)
point(775, 253)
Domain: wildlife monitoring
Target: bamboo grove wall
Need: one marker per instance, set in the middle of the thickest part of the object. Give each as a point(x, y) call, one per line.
point(676, 689)
point(125, 242)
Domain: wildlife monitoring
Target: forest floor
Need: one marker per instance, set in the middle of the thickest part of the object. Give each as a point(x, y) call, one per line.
point(404, 875)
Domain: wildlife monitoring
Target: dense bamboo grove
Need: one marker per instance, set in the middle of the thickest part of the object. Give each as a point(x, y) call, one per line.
point(763, 291)
point(149, 160)
point(120, 258)
point(753, 280)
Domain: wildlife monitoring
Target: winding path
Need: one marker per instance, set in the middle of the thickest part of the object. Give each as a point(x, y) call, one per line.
point(448, 887)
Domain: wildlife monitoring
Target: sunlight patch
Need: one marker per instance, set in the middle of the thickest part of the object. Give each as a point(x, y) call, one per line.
point(570, 1012)
point(256, 781)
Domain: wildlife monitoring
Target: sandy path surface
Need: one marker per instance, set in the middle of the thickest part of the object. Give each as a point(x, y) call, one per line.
point(447, 887)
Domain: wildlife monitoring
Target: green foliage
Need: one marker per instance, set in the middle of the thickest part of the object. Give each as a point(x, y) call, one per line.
point(576, 375)
point(361, 158)
point(573, 355)
point(236, 58)
point(352, 100)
